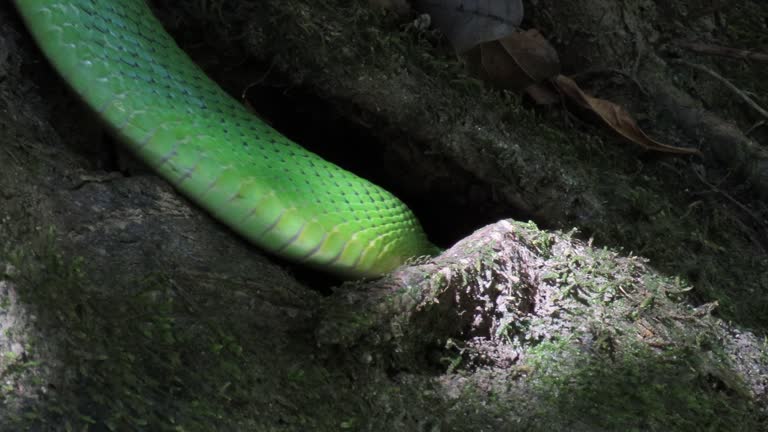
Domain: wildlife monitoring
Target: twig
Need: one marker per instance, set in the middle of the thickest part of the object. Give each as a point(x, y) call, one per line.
point(749, 131)
point(722, 51)
point(707, 10)
point(736, 202)
point(727, 83)
point(13, 156)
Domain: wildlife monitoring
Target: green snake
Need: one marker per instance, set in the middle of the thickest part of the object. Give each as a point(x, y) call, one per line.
point(117, 57)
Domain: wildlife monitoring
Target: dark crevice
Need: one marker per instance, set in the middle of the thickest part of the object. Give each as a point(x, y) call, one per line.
point(449, 201)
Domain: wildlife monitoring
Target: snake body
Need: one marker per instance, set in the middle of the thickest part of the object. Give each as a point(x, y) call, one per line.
point(117, 56)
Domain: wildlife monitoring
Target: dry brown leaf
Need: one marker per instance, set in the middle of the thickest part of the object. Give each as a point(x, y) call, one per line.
point(522, 60)
point(514, 62)
point(500, 69)
point(533, 54)
point(616, 117)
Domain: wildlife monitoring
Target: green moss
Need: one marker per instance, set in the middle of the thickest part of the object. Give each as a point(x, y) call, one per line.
point(637, 389)
point(128, 360)
point(627, 363)
point(629, 355)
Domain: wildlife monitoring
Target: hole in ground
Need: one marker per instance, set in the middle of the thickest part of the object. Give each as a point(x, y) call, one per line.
point(449, 201)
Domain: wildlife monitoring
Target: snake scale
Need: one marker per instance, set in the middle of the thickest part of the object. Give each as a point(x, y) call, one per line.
point(118, 58)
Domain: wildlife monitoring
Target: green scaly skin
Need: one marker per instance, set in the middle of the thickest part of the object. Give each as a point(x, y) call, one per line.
point(116, 55)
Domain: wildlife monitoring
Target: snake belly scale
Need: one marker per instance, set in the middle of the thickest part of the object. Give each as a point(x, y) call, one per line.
point(116, 55)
